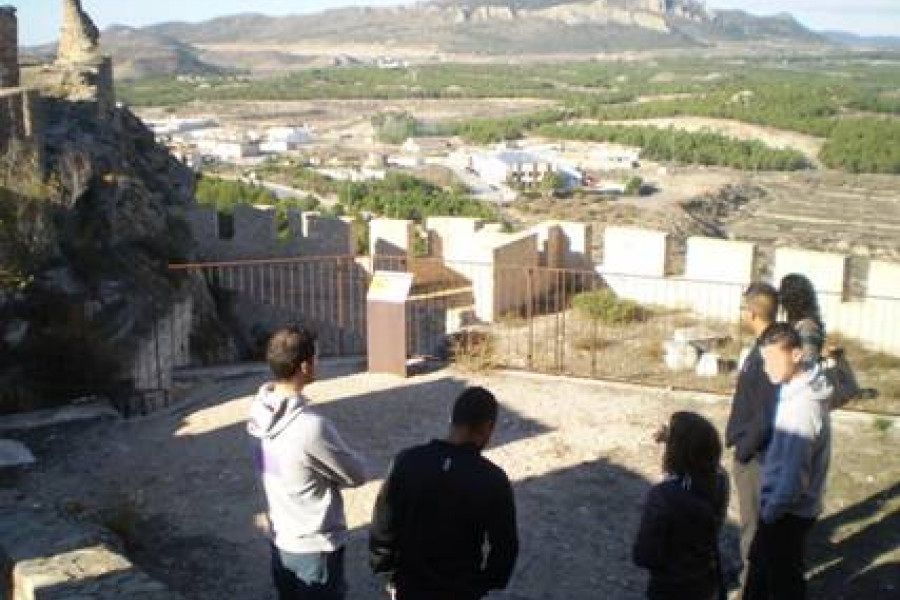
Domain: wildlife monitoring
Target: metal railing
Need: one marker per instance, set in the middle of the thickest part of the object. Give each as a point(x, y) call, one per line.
point(550, 320)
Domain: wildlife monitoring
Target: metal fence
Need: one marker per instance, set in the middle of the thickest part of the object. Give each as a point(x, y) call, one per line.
point(562, 321)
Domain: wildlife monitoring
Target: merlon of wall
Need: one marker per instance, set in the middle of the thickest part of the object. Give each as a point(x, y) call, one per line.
point(724, 261)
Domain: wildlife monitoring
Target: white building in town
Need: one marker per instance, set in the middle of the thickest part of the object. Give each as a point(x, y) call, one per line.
point(278, 140)
point(523, 167)
point(174, 126)
point(228, 149)
point(611, 157)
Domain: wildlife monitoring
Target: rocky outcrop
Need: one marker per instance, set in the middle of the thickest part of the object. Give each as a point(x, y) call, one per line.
point(648, 14)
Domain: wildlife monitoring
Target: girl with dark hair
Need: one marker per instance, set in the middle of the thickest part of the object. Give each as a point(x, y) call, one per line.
point(801, 307)
point(683, 515)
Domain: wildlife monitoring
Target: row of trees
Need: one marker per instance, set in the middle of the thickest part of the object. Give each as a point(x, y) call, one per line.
point(693, 148)
point(400, 196)
point(864, 146)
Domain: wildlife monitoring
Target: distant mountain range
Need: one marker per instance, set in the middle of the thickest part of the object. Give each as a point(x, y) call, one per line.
point(444, 29)
point(859, 41)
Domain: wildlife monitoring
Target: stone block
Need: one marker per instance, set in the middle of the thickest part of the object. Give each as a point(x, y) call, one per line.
point(720, 261)
point(633, 251)
point(884, 280)
point(827, 271)
point(391, 237)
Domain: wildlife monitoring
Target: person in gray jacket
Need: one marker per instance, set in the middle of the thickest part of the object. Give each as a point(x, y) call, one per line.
point(304, 465)
point(794, 469)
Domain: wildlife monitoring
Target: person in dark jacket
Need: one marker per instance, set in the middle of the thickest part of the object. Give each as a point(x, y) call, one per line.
point(444, 523)
point(749, 428)
point(678, 536)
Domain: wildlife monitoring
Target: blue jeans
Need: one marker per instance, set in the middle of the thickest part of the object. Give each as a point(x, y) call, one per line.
point(312, 576)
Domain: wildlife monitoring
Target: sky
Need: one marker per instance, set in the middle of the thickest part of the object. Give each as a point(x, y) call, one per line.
point(39, 19)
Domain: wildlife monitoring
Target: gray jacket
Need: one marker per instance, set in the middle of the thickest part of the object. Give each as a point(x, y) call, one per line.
point(304, 464)
point(796, 462)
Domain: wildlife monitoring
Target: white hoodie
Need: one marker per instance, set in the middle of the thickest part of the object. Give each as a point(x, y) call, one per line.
point(796, 462)
point(304, 463)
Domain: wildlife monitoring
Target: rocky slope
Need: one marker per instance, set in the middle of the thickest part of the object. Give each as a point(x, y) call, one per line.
point(87, 248)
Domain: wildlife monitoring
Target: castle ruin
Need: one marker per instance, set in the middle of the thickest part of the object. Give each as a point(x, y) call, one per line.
point(80, 74)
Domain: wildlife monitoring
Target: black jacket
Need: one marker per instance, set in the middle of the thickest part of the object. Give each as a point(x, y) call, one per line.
point(438, 506)
point(678, 540)
point(752, 417)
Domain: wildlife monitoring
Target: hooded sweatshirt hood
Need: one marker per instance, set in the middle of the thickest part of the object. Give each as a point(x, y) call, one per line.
point(272, 411)
point(304, 464)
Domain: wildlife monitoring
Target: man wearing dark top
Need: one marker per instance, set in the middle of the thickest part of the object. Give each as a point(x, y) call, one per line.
point(444, 524)
point(749, 428)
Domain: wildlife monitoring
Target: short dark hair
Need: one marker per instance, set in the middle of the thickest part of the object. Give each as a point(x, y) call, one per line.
point(474, 407)
point(693, 448)
point(288, 349)
point(782, 334)
point(762, 299)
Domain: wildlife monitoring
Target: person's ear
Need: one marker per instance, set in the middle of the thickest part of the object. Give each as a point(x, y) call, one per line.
point(796, 355)
point(308, 369)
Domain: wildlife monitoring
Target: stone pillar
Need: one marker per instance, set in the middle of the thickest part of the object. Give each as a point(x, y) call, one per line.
point(79, 38)
point(9, 47)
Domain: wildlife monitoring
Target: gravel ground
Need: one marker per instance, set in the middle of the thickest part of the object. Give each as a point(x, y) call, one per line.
point(179, 485)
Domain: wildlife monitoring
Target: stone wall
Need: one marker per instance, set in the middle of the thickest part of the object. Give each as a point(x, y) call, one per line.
point(19, 118)
point(9, 48)
point(83, 82)
point(44, 556)
point(719, 270)
point(165, 348)
point(253, 233)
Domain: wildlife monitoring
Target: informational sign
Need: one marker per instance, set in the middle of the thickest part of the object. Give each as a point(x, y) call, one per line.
point(386, 307)
point(390, 286)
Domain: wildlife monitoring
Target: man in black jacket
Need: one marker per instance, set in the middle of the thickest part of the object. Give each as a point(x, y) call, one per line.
point(749, 426)
point(444, 524)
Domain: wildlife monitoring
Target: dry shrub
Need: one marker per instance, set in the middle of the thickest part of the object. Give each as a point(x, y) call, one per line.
point(604, 306)
point(474, 351)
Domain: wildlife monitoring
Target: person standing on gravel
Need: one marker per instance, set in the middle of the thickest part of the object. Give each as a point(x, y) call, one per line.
point(749, 426)
point(442, 504)
point(304, 465)
point(678, 539)
point(794, 470)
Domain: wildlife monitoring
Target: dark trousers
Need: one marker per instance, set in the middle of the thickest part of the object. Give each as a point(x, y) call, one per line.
point(777, 560)
point(309, 576)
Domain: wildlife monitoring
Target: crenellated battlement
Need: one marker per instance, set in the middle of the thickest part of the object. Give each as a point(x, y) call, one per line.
point(255, 232)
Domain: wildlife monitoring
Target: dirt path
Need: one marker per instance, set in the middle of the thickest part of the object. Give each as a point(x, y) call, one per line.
point(180, 486)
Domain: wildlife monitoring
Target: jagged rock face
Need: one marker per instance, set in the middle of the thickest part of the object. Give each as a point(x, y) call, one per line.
point(101, 279)
point(79, 38)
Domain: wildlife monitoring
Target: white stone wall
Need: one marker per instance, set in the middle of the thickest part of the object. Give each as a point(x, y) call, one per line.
point(633, 251)
point(391, 237)
point(720, 261)
point(636, 261)
point(827, 271)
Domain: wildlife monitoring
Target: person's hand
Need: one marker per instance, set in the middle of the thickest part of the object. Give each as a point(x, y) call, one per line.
point(391, 591)
point(661, 435)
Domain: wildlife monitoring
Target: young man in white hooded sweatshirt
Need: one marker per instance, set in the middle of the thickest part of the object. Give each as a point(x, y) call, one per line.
point(304, 465)
point(794, 469)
